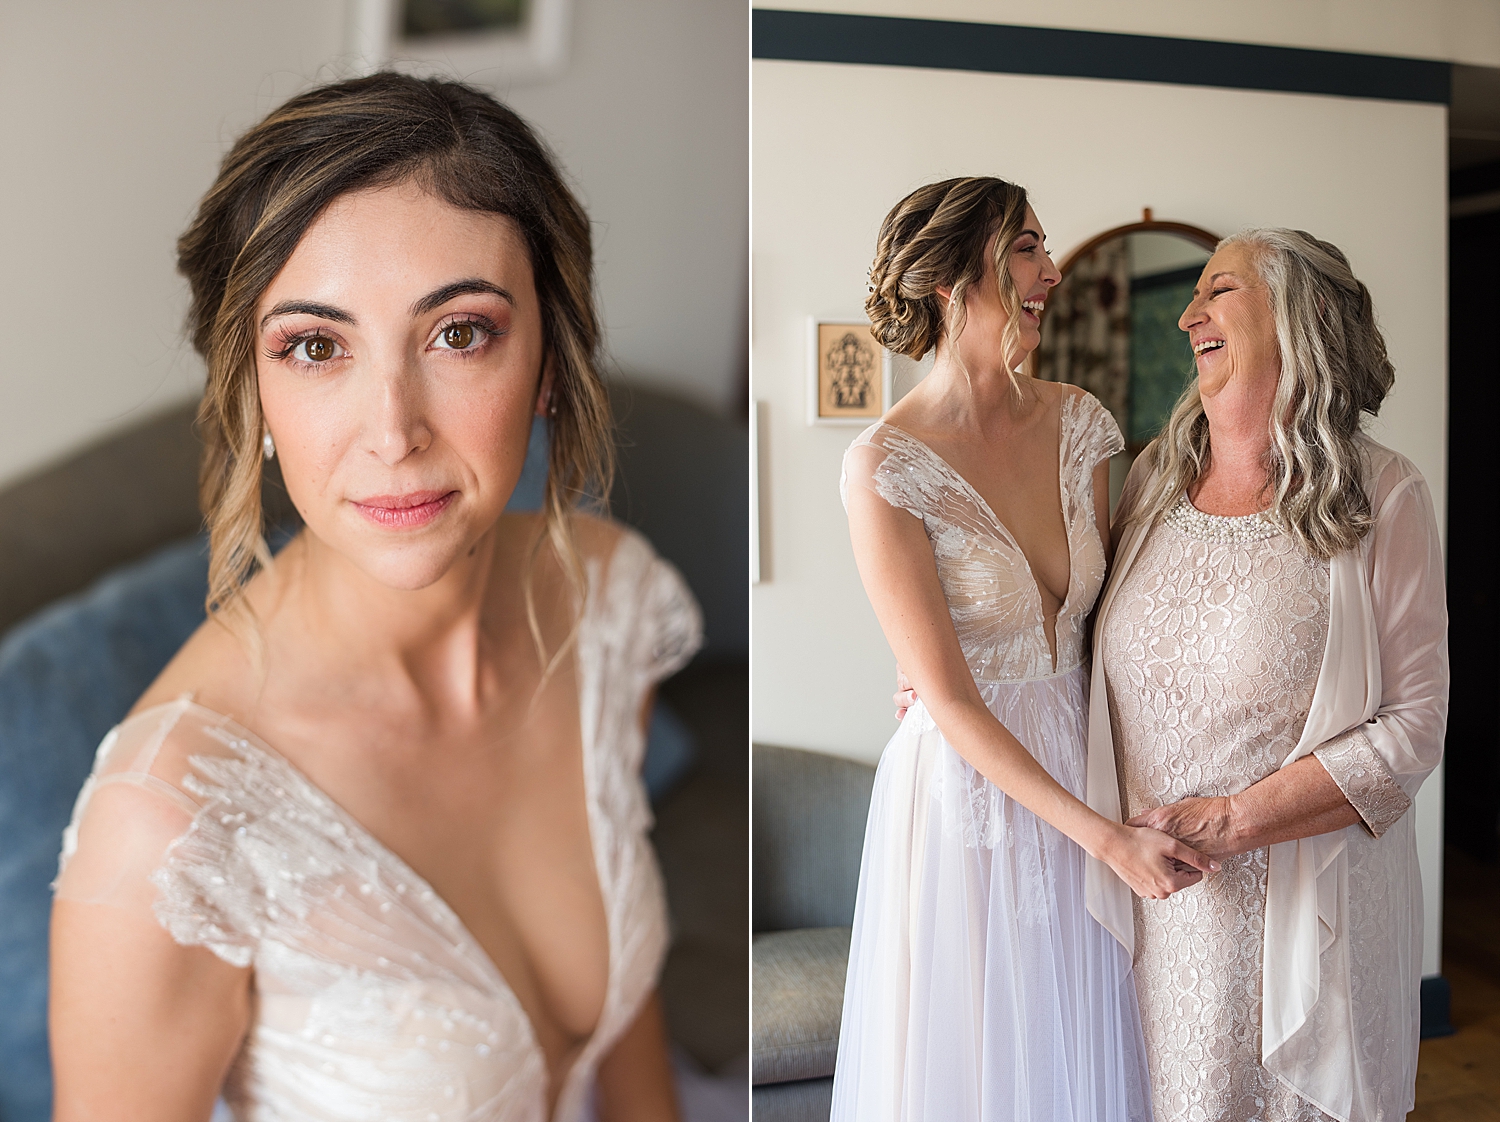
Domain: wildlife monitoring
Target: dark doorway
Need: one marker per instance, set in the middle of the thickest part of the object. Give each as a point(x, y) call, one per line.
point(1472, 789)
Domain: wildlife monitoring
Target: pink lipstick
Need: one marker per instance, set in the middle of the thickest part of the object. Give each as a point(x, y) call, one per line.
point(410, 511)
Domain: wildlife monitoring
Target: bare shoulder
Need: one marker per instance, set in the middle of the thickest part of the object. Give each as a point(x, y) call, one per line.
point(597, 537)
point(215, 666)
point(1068, 390)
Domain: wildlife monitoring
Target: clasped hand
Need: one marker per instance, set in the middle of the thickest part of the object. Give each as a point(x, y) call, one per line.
point(1206, 824)
point(1157, 853)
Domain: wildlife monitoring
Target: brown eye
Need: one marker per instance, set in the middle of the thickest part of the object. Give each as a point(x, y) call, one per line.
point(459, 336)
point(318, 349)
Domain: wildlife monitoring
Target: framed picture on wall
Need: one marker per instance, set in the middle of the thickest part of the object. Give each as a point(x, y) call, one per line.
point(496, 42)
point(848, 373)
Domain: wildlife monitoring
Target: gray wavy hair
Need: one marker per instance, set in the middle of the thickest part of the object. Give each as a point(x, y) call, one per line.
point(1333, 368)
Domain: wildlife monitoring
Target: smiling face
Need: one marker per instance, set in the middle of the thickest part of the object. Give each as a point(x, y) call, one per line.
point(399, 356)
point(1231, 326)
point(985, 319)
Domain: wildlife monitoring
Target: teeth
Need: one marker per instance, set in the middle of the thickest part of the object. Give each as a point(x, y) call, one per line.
point(1034, 306)
point(1208, 345)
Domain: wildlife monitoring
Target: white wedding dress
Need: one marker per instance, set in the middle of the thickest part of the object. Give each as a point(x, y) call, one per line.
point(372, 1001)
point(979, 987)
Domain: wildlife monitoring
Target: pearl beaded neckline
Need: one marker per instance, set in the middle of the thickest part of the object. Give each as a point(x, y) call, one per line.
point(1219, 528)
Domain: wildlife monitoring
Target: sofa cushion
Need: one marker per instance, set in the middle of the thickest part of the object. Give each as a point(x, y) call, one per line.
point(809, 811)
point(797, 990)
point(807, 1100)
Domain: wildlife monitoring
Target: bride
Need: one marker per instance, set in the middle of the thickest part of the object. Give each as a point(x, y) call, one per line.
point(979, 988)
point(374, 844)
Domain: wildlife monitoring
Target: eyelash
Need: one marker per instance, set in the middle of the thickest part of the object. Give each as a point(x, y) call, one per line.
point(284, 345)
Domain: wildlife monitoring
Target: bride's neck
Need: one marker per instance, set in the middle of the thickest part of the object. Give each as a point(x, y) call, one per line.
point(980, 396)
point(436, 638)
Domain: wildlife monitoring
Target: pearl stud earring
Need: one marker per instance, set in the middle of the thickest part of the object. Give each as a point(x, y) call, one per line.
point(268, 446)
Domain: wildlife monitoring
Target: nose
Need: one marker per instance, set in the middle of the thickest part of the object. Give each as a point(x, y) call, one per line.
point(1192, 315)
point(396, 425)
point(1051, 274)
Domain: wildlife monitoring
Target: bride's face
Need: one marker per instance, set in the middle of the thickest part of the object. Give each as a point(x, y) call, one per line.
point(1033, 275)
point(399, 356)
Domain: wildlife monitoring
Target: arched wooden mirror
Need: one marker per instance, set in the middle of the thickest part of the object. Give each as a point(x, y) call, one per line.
point(1111, 325)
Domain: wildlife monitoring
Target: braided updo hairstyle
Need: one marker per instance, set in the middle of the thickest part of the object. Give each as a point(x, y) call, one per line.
point(937, 237)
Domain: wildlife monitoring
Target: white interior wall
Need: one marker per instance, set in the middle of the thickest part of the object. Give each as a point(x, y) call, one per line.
point(116, 117)
point(835, 146)
point(1451, 30)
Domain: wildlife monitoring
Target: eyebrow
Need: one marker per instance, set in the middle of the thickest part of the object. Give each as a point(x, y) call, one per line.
point(1033, 233)
point(307, 308)
point(470, 286)
point(432, 301)
point(1216, 276)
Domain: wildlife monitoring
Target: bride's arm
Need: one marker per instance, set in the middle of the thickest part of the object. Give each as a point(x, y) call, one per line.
point(900, 576)
point(635, 1078)
point(141, 1028)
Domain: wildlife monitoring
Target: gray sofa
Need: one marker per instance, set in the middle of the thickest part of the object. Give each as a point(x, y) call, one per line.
point(808, 814)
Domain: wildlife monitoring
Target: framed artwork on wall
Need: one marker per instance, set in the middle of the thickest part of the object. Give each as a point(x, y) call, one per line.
point(848, 373)
point(517, 41)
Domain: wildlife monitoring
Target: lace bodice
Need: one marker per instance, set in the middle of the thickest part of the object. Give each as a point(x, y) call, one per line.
point(992, 595)
point(373, 999)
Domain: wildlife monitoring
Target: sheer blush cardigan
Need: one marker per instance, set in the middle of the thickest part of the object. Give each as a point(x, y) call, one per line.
point(1346, 1042)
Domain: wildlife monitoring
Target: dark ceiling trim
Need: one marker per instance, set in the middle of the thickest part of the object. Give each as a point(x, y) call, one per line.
point(1007, 49)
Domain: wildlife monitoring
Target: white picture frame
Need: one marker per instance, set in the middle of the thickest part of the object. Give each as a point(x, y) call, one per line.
point(820, 416)
point(535, 52)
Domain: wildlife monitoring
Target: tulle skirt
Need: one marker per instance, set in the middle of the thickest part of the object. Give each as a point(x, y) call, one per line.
point(979, 987)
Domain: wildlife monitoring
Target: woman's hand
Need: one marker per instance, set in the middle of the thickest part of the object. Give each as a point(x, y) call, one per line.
point(1154, 864)
point(1206, 824)
point(905, 697)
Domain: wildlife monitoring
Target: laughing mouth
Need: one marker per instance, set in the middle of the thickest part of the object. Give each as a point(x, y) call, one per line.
point(1034, 307)
point(1207, 345)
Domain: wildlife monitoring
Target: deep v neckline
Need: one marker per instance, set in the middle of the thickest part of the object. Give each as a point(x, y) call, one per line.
point(500, 987)
point(1014, 542)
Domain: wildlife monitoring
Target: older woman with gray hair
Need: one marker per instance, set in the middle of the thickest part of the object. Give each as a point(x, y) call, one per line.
point(1270, 686)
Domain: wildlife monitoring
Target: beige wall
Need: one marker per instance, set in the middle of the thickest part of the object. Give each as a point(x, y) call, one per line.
point(836, 145)
point(116, 117)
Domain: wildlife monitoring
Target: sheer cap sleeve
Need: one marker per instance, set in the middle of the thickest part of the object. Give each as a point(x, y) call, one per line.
point(143, 837)
point(647, 612)
point(892, 465)
point(1094, 436)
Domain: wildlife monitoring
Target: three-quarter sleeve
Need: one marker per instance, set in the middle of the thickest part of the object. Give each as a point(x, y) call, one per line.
point(1409, 599)
point(1364, 779)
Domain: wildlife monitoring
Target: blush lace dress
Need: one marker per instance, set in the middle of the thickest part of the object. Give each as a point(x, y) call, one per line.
point(372, 1001)
point(1212, 650)
point(979, 987)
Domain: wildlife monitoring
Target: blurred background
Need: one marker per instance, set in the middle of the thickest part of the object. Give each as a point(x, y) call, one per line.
point(114, 120)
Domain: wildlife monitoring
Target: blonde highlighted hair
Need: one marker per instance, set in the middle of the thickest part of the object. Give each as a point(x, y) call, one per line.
point(463, 147)
point(1334, 367)
point(935, 238)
